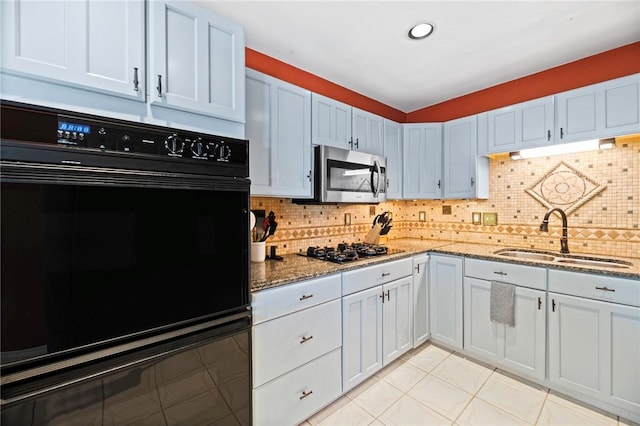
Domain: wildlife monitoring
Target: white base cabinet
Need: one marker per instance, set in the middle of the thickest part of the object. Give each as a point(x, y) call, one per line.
point(594, 345)
point(296, 350)
point(377, 326)
point(522, 348)
point(445, 299)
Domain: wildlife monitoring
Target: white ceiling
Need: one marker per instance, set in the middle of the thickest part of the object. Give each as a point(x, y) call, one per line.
point(363, 45)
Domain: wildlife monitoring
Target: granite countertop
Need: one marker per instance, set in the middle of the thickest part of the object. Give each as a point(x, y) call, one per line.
point(293, 267)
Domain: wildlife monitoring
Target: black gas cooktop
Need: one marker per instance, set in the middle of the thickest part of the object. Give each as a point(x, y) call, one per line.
point(346, 252)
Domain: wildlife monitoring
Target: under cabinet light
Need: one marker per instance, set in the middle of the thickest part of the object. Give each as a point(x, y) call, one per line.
point(565, 148)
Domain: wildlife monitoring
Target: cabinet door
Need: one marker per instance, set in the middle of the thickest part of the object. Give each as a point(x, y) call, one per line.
point(523, 347)
point(331, 122)
point(480, 333)
point(196, 60)
point(420, 300)
point(422, 175)
point(393, 153)
point(576, 350)
point(368, 132)
point(524, 125)
point(607, 109)
point(76, 43)
point(279, 131)
point(397, 315)
point(460, 156)
point(445, 299)
point(361, 336)
point(594, 349)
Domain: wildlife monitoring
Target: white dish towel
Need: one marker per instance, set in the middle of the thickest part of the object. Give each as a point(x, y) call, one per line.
point(503, 297)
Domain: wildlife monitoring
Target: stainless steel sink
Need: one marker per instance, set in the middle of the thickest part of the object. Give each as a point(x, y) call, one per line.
point(526, 255)
point(563, 259)
point(607, 263)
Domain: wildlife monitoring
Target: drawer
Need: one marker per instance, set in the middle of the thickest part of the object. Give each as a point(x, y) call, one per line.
point(285, 343)
point(521, 275)
point(600, 287)
point(290, 399)
point(372, 276)
point(275, 302)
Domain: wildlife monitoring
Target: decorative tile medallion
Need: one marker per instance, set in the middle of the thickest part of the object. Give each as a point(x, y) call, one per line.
point(565, 187)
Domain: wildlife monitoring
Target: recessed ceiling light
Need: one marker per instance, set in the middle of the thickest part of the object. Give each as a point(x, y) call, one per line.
point(420, 31)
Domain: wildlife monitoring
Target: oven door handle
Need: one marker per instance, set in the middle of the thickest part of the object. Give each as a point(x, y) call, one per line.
point(377, 171)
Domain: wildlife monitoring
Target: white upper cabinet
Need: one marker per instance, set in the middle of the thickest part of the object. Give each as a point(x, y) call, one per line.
point(94, 45)
point(524, 125)
point(196, 60)
point(602, 110)
point(279, 131)
point(393, 152)
point(422, 175)
point(340, 125)
point(466, 175)
point(368, 132)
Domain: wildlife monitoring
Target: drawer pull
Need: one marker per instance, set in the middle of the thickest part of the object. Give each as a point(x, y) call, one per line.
point(306, 296)
point(386, 274)
point(605, 288)
point(306, 394)
point(305, 339)
point(500, 273)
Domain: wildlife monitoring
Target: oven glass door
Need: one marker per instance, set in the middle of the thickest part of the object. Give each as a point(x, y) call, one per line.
point(82, 264)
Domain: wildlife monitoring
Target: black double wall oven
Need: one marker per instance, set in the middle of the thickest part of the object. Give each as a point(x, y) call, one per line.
point(124, 272)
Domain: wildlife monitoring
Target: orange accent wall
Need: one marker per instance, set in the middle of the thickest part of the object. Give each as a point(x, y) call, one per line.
point(276, 68)
point(604, 66)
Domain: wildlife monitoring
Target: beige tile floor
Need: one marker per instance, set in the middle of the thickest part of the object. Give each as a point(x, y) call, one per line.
point(434, 386)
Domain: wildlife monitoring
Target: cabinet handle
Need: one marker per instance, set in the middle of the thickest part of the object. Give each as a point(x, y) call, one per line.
point(159, 86)
point(357, 143)
point(605, 288)
point(539, 303)
point(553, 305)
point(305, 339)
point(386, 274)
point(350, 142)
point(438, 183)
point(418, 268)
point(306, 296)
point(500, 273)
point(388, 297)
point(306, 394)
point(561, 133)
point(309, 176)
point(135, 79)
point(548, 135)
point(472, 181)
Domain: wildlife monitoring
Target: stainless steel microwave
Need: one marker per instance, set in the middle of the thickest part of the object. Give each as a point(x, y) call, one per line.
point(344, 176)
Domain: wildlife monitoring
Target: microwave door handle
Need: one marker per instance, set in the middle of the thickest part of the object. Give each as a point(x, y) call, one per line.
point(376, 189)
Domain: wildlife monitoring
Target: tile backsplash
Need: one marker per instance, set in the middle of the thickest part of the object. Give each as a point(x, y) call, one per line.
point(606, 222)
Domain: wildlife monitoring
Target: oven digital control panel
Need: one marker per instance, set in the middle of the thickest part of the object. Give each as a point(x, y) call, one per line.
point(119, 143)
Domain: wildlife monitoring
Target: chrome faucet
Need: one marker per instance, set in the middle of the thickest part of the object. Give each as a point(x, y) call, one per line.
point(544, 227)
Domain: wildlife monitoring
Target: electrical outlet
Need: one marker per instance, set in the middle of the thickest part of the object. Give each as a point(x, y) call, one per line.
point(446, 209)
point(422, 216)
point(372, 210)
point(347, 219)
